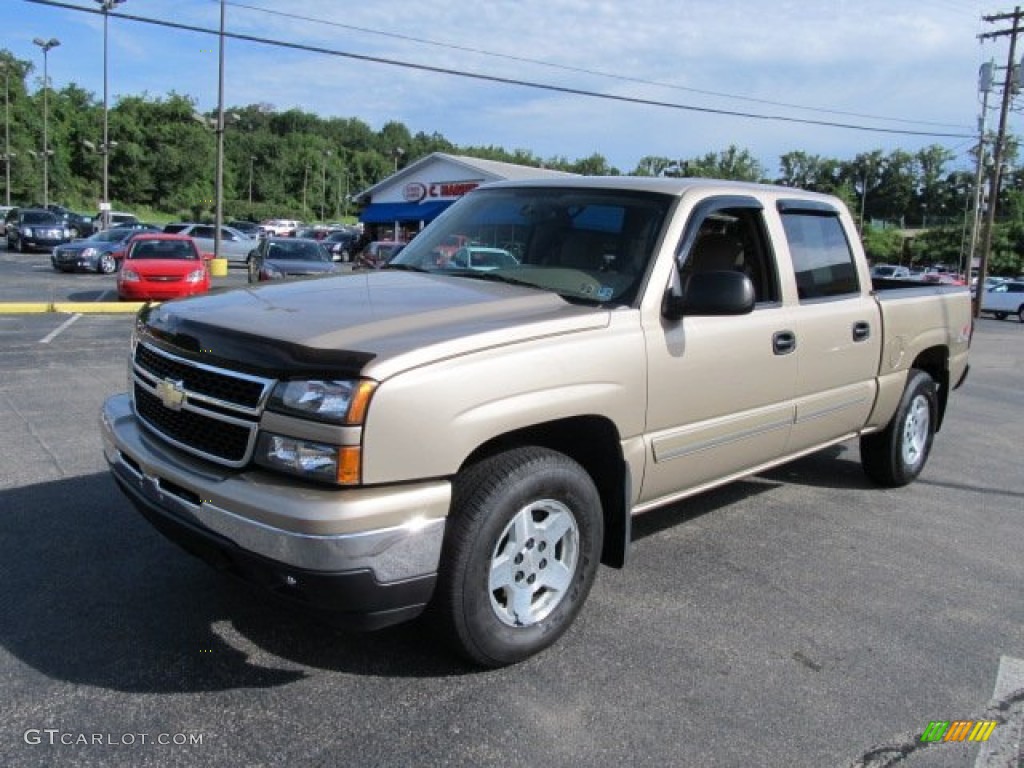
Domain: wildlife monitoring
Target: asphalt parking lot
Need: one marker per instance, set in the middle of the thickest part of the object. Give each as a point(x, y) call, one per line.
point(797, 618)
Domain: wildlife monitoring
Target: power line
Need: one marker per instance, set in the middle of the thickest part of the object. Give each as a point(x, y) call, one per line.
point(581, 70)
point(506, 80)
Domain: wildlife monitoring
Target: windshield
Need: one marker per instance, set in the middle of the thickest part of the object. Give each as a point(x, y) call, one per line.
point(296, 250)
point(163, 249)
point(40, 217)
point(583, 244)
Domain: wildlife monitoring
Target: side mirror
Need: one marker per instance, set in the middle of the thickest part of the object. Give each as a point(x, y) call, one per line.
point(711, 293)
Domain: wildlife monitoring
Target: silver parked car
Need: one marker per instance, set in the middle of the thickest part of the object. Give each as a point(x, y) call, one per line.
point(235, 245)
point(277, 258)
point(1004, 299)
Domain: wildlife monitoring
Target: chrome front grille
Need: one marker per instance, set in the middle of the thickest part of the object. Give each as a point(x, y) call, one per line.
point(202, 409)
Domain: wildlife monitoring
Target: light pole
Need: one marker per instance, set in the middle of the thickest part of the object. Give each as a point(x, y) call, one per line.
point(107, 6)
point(323, 202)
point(46, 45)
point(219, 183)
point(7, 129)
point(305, 180)
point(252, 159)
point(863, 202)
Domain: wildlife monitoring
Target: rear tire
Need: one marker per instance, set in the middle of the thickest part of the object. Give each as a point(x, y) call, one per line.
point(521, 552)
point(895, 456)
point(1000, 315)
point(1020, 314)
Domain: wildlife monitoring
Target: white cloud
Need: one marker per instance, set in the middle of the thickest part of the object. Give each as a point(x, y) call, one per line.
point(911, 59)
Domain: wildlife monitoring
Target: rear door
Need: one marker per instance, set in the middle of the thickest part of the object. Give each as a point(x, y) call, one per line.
point(837, 325)
point(203, 235)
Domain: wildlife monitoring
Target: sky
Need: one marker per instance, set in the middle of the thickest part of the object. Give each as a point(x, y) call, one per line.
point(664, 71)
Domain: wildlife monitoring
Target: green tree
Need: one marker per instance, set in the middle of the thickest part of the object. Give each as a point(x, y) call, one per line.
point(812, 172)
point(732, 163)
point(595, 165)
point(654, 165)
point(936, 196)
point(25, 129)
point(883, 246)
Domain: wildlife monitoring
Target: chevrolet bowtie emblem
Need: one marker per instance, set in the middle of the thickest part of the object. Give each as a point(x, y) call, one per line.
point(171, 393)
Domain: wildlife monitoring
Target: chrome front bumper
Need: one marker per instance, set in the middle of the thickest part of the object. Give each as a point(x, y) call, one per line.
point(395, 532)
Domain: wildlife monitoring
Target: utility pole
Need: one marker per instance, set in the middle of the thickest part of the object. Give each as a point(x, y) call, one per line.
point(1000, 141)
point(985, 79)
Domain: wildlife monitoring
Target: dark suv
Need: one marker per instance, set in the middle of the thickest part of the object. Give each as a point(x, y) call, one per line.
point(79, 224)
point(35, 229)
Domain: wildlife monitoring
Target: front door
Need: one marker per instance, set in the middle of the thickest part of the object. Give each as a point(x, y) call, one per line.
point(720, 399)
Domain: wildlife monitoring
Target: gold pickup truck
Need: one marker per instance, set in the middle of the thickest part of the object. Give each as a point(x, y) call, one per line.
point(473, 436)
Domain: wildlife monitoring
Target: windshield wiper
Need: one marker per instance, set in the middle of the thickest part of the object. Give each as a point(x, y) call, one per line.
point(501, 277)
point(496, 277)
point(404, 268)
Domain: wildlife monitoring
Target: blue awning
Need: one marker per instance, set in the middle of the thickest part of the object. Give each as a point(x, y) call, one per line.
point(386, 213)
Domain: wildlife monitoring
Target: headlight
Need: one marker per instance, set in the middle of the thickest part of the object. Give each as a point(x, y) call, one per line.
point(129, 276)
point(315, 461)
point(88, 253)
point(337, 402)
point(272, 273)
point(195, 276)
point(26, 231)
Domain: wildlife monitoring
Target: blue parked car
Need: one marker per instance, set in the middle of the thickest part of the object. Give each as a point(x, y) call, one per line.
point(100, 252)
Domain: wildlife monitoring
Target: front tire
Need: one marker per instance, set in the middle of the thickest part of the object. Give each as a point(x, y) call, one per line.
point(521, 553)
point(107, 264)
point(1000, 315)
point(895, 456)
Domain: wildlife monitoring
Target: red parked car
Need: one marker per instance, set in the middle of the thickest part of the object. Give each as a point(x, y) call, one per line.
point(377, 253)
point(162, 266)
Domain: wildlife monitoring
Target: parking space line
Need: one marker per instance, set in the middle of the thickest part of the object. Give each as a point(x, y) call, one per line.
point(53, 334)
point(1007, 743)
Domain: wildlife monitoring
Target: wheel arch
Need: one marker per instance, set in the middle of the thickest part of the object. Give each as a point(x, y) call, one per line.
point(935, 362)
point(593, 442)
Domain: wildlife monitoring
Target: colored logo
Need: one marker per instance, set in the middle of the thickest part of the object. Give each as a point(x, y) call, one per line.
point(414, 192)
point(958, 730)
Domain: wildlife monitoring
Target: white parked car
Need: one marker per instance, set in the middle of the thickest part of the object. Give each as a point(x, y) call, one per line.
point(4, 210)
point(890, 270)
point(1004, 299)
point(280, 227)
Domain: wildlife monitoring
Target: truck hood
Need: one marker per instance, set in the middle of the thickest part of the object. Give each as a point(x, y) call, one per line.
point(374, 324)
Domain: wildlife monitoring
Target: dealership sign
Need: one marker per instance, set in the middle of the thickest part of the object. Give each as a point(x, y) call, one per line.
point(415, 192)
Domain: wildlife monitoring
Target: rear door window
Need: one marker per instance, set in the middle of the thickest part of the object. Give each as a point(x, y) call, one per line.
point(822, 258)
